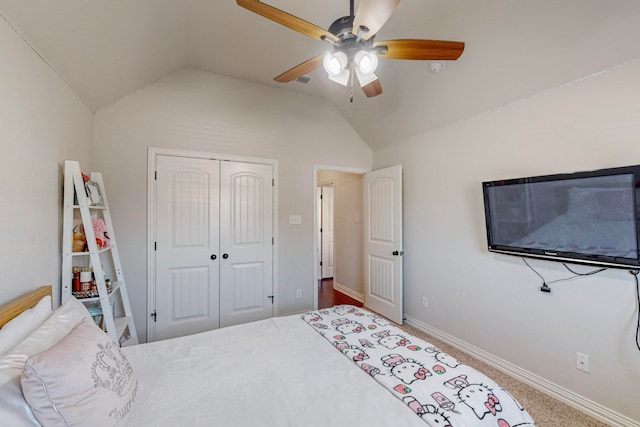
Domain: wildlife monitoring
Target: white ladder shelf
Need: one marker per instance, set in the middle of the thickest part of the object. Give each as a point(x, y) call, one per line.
point(79, 208)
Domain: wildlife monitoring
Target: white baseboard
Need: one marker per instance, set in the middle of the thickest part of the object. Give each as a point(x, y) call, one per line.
point(572, 399)
point(348, 291)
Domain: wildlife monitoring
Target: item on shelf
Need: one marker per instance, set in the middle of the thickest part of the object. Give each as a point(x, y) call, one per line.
point(100, 230)
point(86, 279)
point(79, 241)
point(95, 311)
point(93, 193)
point(75, 284)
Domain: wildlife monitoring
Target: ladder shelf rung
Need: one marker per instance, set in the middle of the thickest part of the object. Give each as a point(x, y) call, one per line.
point(85, 253)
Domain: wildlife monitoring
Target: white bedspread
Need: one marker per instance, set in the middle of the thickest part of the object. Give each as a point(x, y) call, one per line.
point(276, 372)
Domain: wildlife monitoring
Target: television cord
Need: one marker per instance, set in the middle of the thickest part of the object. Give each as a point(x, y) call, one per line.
point(635, 276)
point(576, 275)
point(545, 288)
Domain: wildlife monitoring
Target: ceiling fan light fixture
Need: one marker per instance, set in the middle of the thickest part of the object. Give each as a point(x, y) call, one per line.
point(335, 63)
point(342, 78)
point(365, 79)
point(366, 62)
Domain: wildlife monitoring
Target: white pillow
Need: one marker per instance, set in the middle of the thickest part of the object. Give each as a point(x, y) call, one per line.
point(14, 409)
point(22, 325)
point(85, 379)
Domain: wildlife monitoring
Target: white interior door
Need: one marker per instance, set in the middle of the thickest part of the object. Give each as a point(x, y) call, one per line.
point(246, 242)
point(186, 276)
point(327, 232)
point(383, 242)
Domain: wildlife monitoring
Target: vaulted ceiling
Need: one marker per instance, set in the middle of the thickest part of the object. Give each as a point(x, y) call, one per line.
point(106, 50)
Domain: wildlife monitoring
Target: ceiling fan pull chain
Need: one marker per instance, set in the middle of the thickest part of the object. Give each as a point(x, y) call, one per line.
point(351, 81)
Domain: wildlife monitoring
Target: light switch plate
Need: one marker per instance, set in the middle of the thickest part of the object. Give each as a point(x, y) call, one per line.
point(295, 219)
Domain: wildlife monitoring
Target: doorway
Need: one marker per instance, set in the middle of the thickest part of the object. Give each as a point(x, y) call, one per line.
point(339, 248)
point(374, 256)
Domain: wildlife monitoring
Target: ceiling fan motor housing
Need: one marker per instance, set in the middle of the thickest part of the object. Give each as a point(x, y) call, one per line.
point(347, 41)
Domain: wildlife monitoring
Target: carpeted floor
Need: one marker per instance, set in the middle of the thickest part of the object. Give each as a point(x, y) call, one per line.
point(545, 410)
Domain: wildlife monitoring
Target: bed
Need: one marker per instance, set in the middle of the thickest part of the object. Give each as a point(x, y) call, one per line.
point(334, 367)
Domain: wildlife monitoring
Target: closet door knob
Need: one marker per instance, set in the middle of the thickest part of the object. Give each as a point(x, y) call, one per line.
point(395, 253)
point(213, 256)
point(225, 256)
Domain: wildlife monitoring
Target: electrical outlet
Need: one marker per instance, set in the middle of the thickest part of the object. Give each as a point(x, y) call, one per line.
point(298, 293)
point(295, 219)
point(425, 302)
point(582, 362)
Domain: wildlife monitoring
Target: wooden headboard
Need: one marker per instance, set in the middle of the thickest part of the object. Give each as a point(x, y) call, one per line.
point(11, 309)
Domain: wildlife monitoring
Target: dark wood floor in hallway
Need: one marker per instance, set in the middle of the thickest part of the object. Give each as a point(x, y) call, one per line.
point(328, 297)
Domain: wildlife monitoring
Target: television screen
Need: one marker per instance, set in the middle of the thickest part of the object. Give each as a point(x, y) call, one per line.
point(586, 217)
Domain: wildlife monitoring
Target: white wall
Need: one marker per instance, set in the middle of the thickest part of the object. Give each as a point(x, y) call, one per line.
point(204, 112)
point(42, 123)
point(492, 301)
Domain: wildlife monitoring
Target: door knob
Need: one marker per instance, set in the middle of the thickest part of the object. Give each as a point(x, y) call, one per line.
point(213, 256)
point(396, 253)
point(225, 256)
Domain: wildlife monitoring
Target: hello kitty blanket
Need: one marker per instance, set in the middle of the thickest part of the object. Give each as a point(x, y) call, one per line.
point(438, 388)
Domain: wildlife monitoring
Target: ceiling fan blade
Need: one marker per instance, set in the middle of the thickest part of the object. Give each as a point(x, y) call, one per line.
point(421, 49)
point(372, 14)
point(286, 19)
point(300, 69)
point(372, 89)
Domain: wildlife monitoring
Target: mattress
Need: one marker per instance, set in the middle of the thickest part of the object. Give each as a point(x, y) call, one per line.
point(342, 366)
point(275, 372)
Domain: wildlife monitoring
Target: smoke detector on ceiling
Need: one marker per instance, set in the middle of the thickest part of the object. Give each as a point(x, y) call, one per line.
point(436, 66)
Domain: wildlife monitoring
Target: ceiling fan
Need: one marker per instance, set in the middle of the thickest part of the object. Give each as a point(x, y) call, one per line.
point(354, 50)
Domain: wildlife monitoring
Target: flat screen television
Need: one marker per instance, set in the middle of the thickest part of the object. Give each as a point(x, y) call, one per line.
point(590, 217)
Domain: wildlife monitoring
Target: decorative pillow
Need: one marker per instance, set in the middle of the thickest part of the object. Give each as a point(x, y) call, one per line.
point(14, 409)
point(85, 379)
point(22, 325)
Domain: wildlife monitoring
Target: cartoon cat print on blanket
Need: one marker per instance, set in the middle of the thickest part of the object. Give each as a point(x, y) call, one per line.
point(346, 326)
point(391, 341)
point(406, 370)
point(429, 413)
point(480, 399)
point(353, 352)
point(433, 384)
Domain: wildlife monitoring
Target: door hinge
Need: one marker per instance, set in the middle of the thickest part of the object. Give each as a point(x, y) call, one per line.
point(321, 229)
point(155, 175)
point(273, 182)
point(273, 241)
point(321, 197)
point(320, 263)
point(272, 298)
point(155, 246)
point(154, 315)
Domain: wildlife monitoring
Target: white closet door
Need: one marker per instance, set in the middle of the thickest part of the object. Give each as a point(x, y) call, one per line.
point(187, 278)
point(246, 247)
